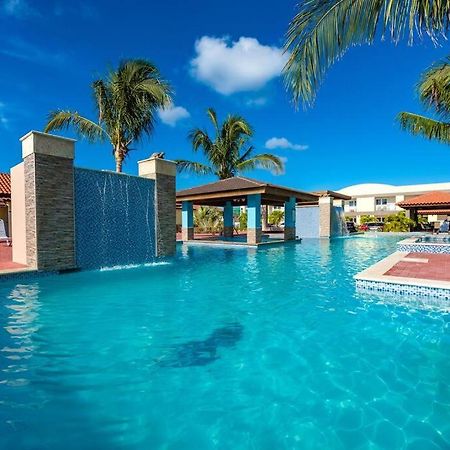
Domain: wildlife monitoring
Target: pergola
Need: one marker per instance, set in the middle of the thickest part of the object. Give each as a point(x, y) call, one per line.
point(437, 202)
point(240, 191)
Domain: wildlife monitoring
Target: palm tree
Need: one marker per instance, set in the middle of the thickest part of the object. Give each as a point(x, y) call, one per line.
point(126, 102)
point(434, 93)
point(224, 152)
point(208, 219)
point(323, 30)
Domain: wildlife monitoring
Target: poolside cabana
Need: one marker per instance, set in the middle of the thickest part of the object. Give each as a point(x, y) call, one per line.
point(240, 191)
point(432, 203)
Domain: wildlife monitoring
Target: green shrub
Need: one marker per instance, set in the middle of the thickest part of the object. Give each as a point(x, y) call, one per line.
point(398, 222)
point(276, 217)
point(243, 221)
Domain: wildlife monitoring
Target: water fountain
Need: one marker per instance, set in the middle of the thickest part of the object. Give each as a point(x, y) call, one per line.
point(338, 222)
point(114, 219)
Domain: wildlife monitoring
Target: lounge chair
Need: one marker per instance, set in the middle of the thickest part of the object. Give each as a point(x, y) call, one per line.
point(3, 235)
point(444, 228)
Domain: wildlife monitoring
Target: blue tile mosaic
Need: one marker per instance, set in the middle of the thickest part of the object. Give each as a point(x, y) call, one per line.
point(418, 247)
point(25, 275)
point(403, 289)
point(114, 219)
point(307, 222)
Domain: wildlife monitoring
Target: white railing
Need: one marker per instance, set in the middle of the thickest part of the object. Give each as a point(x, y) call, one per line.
point(387, 207)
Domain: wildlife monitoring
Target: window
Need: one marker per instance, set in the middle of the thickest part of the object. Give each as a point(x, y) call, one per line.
point(352, 203)
point(381, 201)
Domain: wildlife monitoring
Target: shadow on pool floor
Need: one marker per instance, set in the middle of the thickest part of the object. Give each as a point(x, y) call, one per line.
point(201, 353)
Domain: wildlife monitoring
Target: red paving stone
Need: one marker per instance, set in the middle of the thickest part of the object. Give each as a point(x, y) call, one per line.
point(437, 267)
point(6, 258)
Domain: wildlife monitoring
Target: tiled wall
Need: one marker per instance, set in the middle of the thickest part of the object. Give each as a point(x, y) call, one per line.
point(418, 247)
point(307, 222)
point(114, 219)
point(402, 289)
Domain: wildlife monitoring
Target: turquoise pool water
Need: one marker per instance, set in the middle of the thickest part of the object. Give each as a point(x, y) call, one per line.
point(224, 349)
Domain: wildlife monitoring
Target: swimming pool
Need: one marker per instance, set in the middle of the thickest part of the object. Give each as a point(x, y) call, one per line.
point(224, 349)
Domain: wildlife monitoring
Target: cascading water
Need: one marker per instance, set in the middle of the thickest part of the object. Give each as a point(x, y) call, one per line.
point(338, 222)
point(307, 222)
point(114, 219)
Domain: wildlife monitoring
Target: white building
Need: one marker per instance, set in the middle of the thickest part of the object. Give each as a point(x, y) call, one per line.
point(380, 200)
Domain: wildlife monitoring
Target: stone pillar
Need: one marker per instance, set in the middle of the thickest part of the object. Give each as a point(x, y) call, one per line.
point(49, 201)
point(187, 221)
point(254, 231)
point(289, 219)
point(228, 225)
point(163, 172)
point(325, 210)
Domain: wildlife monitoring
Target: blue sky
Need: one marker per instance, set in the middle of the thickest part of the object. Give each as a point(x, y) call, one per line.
point(225, 55)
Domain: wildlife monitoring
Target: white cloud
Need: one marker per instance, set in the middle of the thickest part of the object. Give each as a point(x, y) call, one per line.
point(172, 114)
point(20, 49)
point(282, 142)
point(18, 8)
point(258, 101)
point(4, 122)
point(243, 65)
point(80, 9)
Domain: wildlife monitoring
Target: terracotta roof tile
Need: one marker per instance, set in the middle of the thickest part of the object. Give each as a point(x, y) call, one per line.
point(435, 198)
point(5, 184)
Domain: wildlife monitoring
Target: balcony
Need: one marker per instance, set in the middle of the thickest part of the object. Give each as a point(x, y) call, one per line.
point(386, 207)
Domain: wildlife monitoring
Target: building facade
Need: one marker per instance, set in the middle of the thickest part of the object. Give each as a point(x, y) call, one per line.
point(5, 200)
point(380, 200)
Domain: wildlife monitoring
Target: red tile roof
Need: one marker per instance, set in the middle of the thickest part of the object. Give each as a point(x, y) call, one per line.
point(435, 198)
point(5, 184)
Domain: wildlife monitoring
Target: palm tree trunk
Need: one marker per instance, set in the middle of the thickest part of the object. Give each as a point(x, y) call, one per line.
point(119, 157)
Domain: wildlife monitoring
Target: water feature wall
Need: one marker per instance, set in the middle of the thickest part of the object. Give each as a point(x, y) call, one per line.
point(338, 223)
point(307, 222)
point(114, 219)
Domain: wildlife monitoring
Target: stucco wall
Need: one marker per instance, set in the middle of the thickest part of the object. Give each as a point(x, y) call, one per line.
point(18, 230)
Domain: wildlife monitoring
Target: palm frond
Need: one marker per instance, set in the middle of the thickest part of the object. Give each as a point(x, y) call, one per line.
point(137, 91)
point(262, 161)
point(211, 113)
point(423, 126)
point(434, 88)
point(62, 120)
point(323, 30)
point(200, 138)
point(102, 100)
point(193, 167)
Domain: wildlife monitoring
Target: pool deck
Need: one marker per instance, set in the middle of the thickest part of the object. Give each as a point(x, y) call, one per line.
point(408, 270)
point(7, 266)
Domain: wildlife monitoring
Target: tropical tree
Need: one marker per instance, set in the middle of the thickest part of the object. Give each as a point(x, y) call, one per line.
point(434, 93)
point(208, 219)
point(398, 222)
point(126, 103)
point(276, 217)
point(366, 218)
point(323, 30)
point(228, 152)
point(243, 220)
